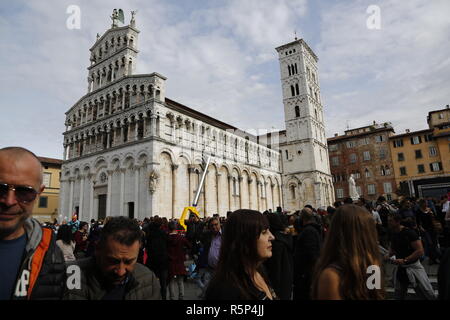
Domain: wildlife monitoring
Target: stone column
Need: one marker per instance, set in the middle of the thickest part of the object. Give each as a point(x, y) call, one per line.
point(65, 152)
point(258, 195)
point(129, 138)
point(122, 189)
point(265, 195)
point(250, 192)
point(174, 168)
point(72, 181)
point(91, 196)
point(153, 125)
point(145, 129)
point(280, 196)
point(122, 133)
point(217, 192)
point(136, 191)
point(273, 198)
point(108, 200)
point(83, 144)
point(240, 191)
point(108, 138)
point(136, 128)
point(191, 192)
point(62, 197)
point(204, 190)
point(80, 213)
point(174, 138)
point(230, 194)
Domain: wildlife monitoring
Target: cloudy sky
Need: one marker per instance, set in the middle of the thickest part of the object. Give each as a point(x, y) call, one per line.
point(219, 57)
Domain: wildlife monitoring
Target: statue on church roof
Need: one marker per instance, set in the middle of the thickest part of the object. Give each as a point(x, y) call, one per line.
point(117, 15)
point(133, 20)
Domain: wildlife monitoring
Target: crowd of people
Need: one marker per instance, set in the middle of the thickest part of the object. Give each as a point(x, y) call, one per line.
point(324, 253)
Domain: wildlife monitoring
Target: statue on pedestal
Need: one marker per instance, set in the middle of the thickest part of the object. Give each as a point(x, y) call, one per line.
point(352, 188)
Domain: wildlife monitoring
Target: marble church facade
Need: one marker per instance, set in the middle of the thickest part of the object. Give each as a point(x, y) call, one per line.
point(130, 150)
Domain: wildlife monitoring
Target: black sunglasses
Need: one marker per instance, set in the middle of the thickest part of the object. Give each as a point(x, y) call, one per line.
point(23, 193)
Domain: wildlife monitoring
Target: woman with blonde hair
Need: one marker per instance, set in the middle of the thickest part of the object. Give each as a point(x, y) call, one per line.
point(351, 247)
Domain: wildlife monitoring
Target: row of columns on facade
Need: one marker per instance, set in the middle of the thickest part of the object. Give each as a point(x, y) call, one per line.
point(191, 170)
point(89, 142)
point(177, 135)
point(107, 104)
point(90, 177)
point(115, 46)
point(95, 80)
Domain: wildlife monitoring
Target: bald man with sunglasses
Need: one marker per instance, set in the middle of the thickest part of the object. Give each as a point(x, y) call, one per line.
point(31, 265)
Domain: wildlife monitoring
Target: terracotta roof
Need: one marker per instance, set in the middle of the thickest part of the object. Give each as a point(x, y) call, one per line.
point(352, 136)
point(412, 133)
point(50, 161)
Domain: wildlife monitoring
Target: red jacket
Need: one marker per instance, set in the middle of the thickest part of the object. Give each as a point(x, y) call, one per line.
point(80, 244)
point(176, 249)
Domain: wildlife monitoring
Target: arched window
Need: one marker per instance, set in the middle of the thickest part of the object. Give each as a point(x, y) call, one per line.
point(297, 89)
point(297, 111)
point(287, 155)
point(296, 70)
point(292, 192)
point(289, 70)
point(293, 91)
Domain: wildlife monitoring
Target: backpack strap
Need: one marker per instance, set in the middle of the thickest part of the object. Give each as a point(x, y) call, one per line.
point(38, 258)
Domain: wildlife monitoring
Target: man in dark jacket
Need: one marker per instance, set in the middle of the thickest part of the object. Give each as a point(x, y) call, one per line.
point(209, 257)
point(307, 251)
point(31, 265)
point(114, 274)
point(280, 267)
point(194, 234)
point(157, 254)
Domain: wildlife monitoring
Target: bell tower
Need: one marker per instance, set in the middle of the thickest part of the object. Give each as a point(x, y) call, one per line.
point(114, 54)
point(306, 169)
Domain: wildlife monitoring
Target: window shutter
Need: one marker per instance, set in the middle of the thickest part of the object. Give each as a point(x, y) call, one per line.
point(440, 165)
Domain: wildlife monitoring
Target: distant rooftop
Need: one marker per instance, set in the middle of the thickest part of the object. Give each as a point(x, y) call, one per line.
point(50, 161)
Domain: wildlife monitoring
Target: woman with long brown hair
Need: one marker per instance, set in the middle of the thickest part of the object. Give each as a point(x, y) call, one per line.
point(246, 244)
point(350, 248)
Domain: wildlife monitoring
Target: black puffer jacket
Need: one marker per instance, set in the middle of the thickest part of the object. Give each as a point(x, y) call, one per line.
point(51, 282)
